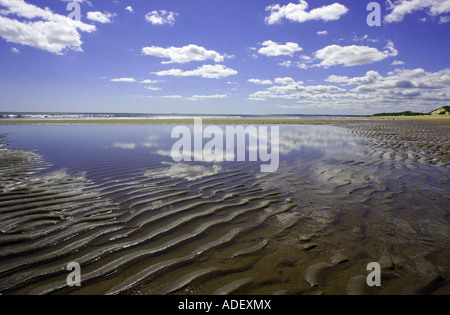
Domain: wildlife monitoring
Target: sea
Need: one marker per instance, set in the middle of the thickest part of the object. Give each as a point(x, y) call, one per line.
point(71, 116)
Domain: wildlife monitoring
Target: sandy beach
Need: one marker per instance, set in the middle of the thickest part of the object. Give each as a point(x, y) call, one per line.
point(225, 121)
point(378, 192)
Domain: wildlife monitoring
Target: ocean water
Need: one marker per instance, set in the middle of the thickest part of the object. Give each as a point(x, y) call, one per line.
point(112, 199)
point(71, 116)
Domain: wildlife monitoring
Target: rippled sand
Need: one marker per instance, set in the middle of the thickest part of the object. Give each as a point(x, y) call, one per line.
point(311, 228)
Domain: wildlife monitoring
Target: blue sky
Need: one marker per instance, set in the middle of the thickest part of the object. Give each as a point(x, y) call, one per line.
point(224, 57)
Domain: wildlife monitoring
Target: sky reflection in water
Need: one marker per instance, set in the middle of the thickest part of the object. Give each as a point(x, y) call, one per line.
point(71, 147)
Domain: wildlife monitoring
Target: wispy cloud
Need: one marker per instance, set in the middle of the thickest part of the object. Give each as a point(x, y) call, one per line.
point(172, 96)
point(126, 80)
point(205, 97)
point(123, 145)
point(100, 17)
point(206, 71)
point(161, 17)
point(397, 63)
point(148, 81)
point(153, 88)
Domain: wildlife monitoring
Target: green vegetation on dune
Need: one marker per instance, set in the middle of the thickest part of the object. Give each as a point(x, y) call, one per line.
point(407, 113)
point(445, 110)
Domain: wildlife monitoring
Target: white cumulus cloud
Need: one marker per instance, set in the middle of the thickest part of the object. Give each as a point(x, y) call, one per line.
point(273, 49)
point(298, 12)
point(370, 77)
point(183, 54)
point(260, 82)
point(353, 55)
point(401, 89)
point(40, 28)
point(206, 71)
point(402, 8)
point(285, 81)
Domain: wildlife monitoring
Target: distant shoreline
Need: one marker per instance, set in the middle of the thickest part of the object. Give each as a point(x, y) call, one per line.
point(222, 121)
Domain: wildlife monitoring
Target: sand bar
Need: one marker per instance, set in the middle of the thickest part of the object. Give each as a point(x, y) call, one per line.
point(185, 121)
point(181, 121)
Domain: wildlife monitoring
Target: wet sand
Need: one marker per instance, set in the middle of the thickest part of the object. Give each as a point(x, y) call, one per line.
point(311, 228)
point(432, 119)
point(223, 121)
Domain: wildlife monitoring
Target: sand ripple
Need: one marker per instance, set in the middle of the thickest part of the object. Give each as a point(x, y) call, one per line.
point(311, 228)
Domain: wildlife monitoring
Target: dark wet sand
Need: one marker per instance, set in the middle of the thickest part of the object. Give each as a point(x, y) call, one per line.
point(310, 229)
point(432, 119)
